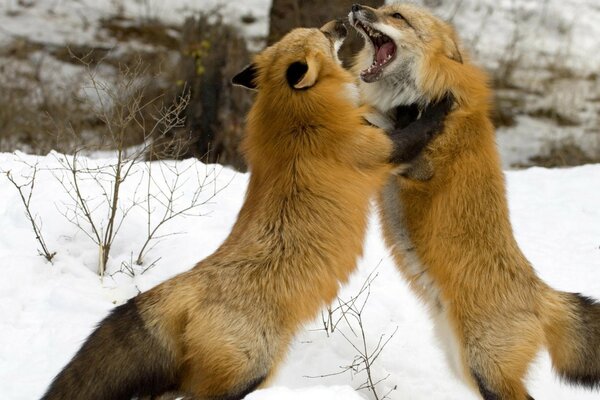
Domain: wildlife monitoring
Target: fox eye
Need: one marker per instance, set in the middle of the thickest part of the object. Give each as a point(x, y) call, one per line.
point(397, 16)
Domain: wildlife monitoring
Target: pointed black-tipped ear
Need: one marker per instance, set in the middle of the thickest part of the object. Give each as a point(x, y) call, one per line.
point(454, 52)
point(295, 73)
point(302, 75)
point(246, 77)
point(456, 56)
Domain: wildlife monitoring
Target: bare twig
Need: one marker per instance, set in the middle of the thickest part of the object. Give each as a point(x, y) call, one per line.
point(119, 106)
point(26, 201)
point(351, 311)
point(168, 195)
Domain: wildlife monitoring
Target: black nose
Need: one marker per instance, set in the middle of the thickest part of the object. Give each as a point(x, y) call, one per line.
point(356, 7)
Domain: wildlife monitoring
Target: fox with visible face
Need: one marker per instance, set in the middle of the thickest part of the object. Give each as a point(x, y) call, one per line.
point(450, 233)
point(219, 330)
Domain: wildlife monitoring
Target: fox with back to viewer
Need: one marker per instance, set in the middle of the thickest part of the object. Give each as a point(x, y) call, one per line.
point(450, 233)
point(218, 331)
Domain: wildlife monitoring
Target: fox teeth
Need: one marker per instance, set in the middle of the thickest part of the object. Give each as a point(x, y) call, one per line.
point(375, 62)
point(371, 31)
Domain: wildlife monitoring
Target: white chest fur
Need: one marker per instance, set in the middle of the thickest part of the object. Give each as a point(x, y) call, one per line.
point(415, 272)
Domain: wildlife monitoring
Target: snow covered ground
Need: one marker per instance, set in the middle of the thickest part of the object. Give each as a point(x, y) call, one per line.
point(46, 310)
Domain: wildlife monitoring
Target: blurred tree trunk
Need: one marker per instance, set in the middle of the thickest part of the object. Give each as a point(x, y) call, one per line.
point(288, 14)
point(211, 53)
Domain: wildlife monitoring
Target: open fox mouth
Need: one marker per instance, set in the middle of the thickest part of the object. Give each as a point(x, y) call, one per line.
point(384, 52)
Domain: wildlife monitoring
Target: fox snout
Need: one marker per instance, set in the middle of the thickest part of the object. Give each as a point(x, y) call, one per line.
point(363, 13)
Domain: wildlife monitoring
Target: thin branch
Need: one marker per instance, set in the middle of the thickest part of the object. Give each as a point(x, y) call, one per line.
point(351, 311)
point(26, 201)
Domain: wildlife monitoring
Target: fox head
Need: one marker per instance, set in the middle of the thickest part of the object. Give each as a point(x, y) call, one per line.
point(297, 61)
point(303, 94)
point(410, 56)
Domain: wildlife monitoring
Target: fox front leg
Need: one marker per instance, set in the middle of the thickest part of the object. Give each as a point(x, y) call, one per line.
point(410, 140)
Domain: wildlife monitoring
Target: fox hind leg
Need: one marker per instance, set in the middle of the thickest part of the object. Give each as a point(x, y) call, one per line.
point(489, 394)
point(509, 391)
point(498, 361)
point(498, 380)
point(224, 360)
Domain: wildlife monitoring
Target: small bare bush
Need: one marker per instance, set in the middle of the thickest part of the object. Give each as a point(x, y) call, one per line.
point(120, 106)
point(347, 319)
point(165, 187)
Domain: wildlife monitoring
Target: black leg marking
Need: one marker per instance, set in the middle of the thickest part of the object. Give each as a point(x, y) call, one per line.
point(410, 136)
point(251, 387)
point(405, 115)
point(483, 389)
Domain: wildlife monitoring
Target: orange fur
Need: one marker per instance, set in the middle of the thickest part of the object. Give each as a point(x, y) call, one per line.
point(315, 163)
point(451, 235)
point(298, 234)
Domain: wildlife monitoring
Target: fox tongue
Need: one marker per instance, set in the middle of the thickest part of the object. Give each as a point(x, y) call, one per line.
point(386, 49)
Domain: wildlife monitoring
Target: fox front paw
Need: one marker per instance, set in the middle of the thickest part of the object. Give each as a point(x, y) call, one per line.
point(412, 138)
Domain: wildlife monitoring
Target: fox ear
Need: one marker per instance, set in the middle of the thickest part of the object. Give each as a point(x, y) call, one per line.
point(303, 75)
point(246, 77)
point(453, 52)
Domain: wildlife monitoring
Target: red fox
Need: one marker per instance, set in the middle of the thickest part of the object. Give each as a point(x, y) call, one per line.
point(450, 234)
point(220, 330)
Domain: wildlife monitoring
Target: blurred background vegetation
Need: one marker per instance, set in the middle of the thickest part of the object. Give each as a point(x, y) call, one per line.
point(45, 103)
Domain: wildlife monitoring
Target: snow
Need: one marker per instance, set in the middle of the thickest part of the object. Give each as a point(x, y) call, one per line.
point(315, 393)
point(47, 310)
point(77, 21)
point(532, 136)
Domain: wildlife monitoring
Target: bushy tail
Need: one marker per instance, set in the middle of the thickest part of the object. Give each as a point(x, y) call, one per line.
point(119, 360)
point(573, 336)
